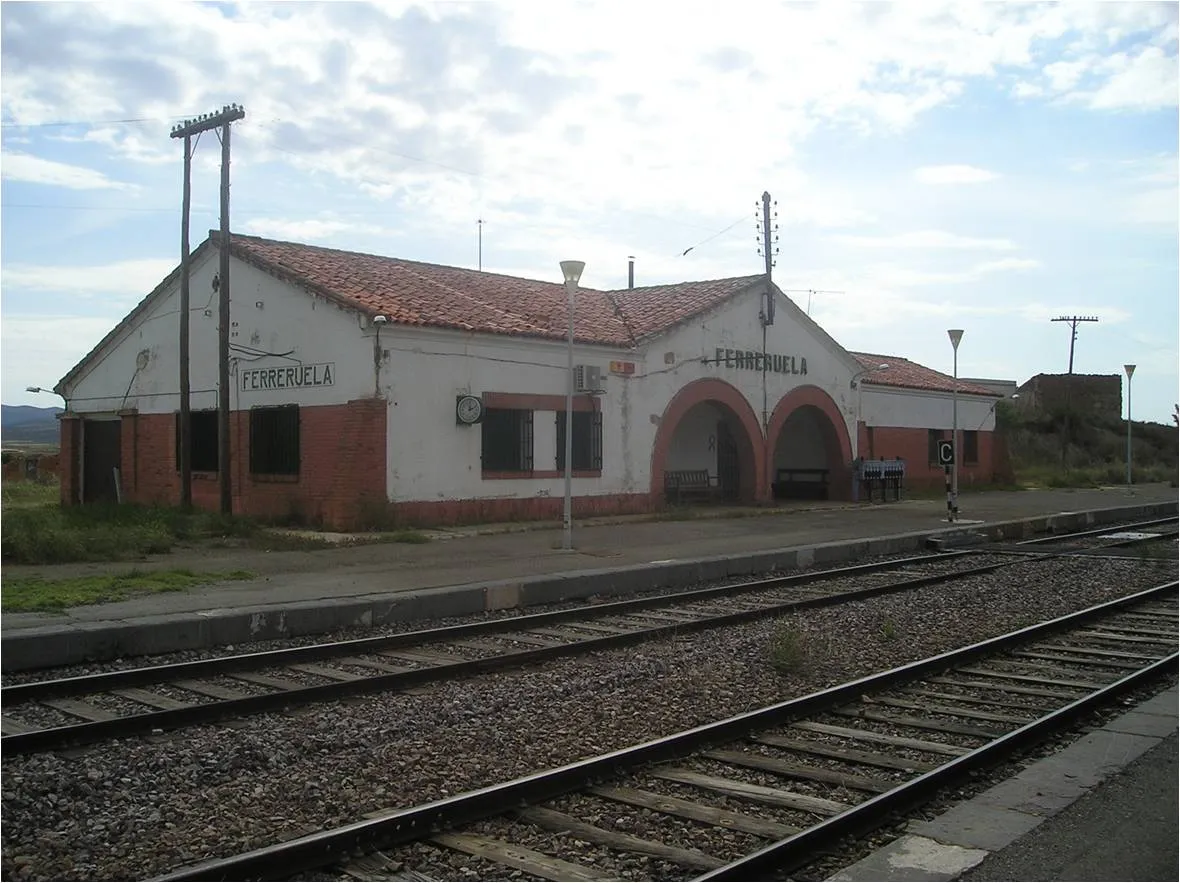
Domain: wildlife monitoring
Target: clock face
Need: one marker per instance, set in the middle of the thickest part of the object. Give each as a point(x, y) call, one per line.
point(469, 409)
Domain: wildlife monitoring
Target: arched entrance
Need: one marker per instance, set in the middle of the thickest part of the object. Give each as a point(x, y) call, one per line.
point(709, 426)
point(808, 449)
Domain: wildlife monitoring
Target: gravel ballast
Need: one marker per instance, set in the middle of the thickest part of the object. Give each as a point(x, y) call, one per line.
point(138, 808)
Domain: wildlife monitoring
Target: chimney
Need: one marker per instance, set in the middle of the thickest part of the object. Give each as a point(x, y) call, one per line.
point(630, 271)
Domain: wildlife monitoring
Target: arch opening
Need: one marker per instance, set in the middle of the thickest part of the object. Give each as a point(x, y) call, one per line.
point(708, 430)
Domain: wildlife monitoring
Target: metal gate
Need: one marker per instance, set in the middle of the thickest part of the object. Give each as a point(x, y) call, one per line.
point(101, 458)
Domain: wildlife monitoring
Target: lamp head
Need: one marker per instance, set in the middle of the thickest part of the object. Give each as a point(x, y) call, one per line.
point(571, 271)
point(32, 389)
point(379, 320)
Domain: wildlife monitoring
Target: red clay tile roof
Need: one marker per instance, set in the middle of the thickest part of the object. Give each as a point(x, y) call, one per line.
point(910, 375)
point(413, 293)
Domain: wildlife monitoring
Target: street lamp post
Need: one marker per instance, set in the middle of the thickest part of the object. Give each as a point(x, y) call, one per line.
point(1130, 369)
point(855, 383)
point(955, 334)
point(571, 271)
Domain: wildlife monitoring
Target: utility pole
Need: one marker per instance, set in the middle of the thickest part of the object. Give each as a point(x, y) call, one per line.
point(1073, 324)
point(229, 113)
point(480, 223)
point(1068, 433)
point(767, 247)
point(185, 430)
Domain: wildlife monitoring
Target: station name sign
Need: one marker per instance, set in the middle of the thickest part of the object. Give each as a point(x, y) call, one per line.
point(756, 361)
point(289, 377)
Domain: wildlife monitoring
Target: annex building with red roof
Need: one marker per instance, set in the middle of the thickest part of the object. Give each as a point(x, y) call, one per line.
point(373, 390)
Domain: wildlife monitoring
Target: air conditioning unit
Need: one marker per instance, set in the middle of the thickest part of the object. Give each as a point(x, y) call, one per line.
point(587, 378)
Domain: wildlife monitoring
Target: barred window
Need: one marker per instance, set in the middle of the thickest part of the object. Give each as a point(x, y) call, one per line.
point(274, 440)
point(202, 449)
point(587, 440)
point(507, 440)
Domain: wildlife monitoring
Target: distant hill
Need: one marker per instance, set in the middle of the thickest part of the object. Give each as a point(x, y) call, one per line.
point(24, 423)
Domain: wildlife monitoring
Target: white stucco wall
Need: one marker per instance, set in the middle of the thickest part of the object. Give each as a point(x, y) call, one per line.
point(141, 369)
point(919, 409)
point(431, 457)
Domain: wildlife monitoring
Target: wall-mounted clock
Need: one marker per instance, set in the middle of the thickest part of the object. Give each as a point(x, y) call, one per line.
point(468, 409)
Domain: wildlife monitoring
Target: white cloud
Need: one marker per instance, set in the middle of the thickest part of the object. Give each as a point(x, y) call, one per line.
point(894, 276)
point(35, 170)
point(308, 230)
point(38, 350)
point(132, 278)
point(928, 239)
point(1146, 81)
point(953, 174)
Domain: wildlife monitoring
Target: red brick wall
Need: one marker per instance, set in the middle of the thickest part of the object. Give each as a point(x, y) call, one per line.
point(437, 512)
point(71, 428)
point(342, 465)
point(912, 445)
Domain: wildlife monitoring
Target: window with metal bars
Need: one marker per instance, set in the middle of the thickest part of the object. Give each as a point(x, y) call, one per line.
point(587, 441)
point(507, 440)
point(274, 440)
point(202, 450)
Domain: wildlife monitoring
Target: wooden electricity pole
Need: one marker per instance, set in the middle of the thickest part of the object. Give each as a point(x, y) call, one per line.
point(228, 114)
point(1067, 434)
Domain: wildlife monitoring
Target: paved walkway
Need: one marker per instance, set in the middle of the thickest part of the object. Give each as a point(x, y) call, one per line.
point(463, 556)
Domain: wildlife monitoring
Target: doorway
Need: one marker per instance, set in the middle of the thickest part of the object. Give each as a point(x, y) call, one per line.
point(102, 458)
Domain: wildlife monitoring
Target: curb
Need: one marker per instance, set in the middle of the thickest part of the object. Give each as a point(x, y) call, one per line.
point(48, 646)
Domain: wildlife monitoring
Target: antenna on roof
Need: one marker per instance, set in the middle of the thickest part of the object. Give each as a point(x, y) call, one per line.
point(480, 223)
point(809, 292)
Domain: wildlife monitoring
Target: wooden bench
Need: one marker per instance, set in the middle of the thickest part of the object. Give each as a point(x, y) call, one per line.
point(801, 484)
point(686, 485)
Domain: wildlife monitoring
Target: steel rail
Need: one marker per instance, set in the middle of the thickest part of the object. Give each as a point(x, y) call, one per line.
point(316, 850)
point(208, 712)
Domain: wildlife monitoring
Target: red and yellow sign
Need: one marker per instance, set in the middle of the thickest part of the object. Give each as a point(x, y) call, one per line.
point(624, 368)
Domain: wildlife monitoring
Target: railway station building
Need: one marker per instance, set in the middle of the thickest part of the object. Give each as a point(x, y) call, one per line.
point(365, 386)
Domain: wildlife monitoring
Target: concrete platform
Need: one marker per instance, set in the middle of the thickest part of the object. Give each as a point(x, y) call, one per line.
point(1104, 808)
point(472, 570)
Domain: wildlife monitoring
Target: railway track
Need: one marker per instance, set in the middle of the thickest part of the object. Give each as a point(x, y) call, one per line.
point(764, 792)
point(46, 715)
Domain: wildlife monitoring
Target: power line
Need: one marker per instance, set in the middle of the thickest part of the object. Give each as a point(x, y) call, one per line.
point(58, 123)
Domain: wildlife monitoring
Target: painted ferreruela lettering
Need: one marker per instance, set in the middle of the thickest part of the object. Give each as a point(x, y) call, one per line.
point(774, 363)
point(289, 377)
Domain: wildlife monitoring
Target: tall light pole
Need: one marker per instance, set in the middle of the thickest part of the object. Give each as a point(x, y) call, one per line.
point(1130, 369)
point(572, 272)
point(855, 382)
point(955, 334)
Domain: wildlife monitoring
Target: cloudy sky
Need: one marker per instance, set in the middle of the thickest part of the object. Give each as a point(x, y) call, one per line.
point(988, 167)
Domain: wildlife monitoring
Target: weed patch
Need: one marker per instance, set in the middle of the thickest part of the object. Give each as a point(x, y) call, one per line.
point(788, 648)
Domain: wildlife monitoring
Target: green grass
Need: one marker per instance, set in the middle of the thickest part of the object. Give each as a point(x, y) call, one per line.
point(52, 534)
point(28, 493)
point(27, 593)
